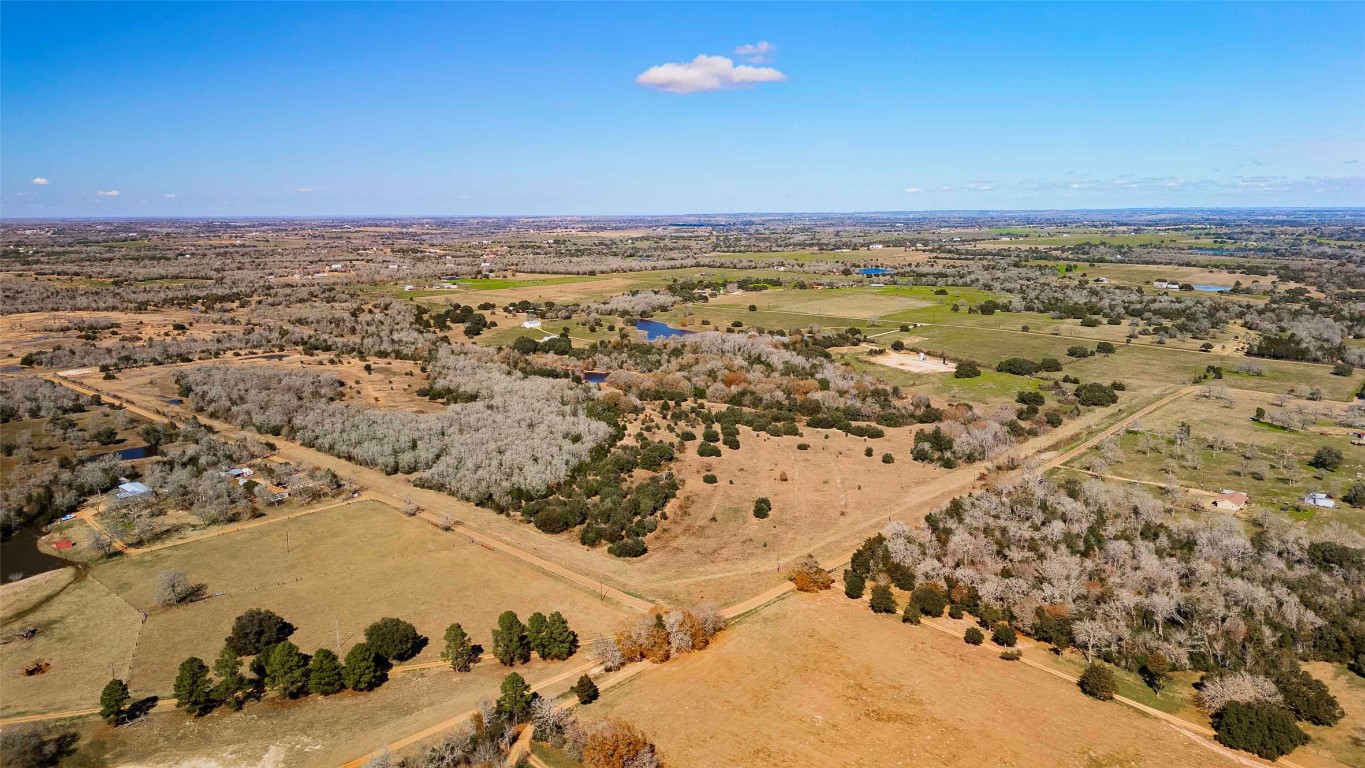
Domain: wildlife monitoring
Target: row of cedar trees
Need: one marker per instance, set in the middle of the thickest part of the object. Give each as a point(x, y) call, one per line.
point(279, 666)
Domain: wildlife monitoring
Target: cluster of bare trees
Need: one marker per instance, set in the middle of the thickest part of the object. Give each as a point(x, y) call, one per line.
point(31, 398)
point(1108, 569)
point(516, 435)
point(660, 637)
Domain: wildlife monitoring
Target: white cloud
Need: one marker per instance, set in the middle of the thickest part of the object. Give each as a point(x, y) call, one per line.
point(980, 186)
point(304, 190)
point(169, 195)
point(706, 73)
point(758, 53)
point(108, 193)
point(40, 181)
point(913, 190)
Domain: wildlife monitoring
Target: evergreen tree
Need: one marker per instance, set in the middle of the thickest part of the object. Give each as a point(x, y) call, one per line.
point(114, 701)
point(286, 671)
point(558, 641)
point(586, 690)
point(973, 636)
point(232, 685)
point(510, 645)
point(459, 651)
point(1309, 698)
point(393, 639)
point(882, 599)
point(1264, 729)
point(930, 600)
point(535, 633)
point(853, 584)
point(256, 630)
point(324, 673)
point(911, 615)
point(192, 687)
point(364, 670)
point(514, 703)
point(1097, 681)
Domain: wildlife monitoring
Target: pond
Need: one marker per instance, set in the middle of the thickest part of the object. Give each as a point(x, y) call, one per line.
point(22, 558)
point(1213, 288)
point(875, 271)
point(127, 454)
point(173, 400)
point(597, 377)
point(656, 330)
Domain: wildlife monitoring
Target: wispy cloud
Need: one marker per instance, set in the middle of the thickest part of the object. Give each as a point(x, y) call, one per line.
point(40, 181)
point(757, 53)
point(980, 186)
point(169, 195)
point(108, 193)
point(304, 190)
point(706, 73)
point(913, 190)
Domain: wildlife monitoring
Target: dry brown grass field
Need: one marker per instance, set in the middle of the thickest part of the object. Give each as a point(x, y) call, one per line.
point(85, 633)
point(839, 685)
point(333, 574)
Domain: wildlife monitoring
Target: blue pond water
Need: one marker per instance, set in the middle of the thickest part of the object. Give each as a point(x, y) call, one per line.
point(874, 271)
point(597, 377)
point(127, 454)
point(656, 330)
point(1213, 288)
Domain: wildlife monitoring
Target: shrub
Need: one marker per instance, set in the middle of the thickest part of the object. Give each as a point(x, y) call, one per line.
point(882, 599)
point(762, 507)
point(911, 614)
point(888, 458)
point(709, 479)
point(1018, 366)
point(1050, 364)
point(1355, 495)
point(631, 547)
point(1105, 348)
point(1033, 398)
point(966, 370)
point(1326, 458)
point(808, 576)
point(1095, 394)
point(1013, 654)
point(973, 636)
point(1098, 682)
point(1078, 351)
point(1004, 634)
point(393, 639)
point(1261, 728)
point(707, 450)
point(1343, 369)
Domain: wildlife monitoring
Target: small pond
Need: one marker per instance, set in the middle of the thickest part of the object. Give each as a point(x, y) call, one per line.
point(21, 558)
point(875, 271)
point(127, 454)
point(597, 377)
point(656, 330)
point(1213, 288)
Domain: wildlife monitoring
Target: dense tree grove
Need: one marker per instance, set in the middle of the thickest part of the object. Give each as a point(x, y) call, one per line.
point(518, 436)
point(1105, 569)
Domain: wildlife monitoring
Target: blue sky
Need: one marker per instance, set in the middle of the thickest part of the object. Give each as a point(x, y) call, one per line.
point(427, 109)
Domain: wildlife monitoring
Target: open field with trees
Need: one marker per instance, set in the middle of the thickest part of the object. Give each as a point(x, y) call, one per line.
point(624, 432)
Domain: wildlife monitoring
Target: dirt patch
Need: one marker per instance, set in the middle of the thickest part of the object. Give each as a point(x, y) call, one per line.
point(913, 362)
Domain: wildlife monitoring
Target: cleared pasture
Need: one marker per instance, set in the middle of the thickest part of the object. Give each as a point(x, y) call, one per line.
point(331, 575)
point(842, 686)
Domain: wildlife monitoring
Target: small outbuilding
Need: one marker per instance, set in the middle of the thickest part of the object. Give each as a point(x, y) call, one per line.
point(1319, 500)
point(131, 491)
